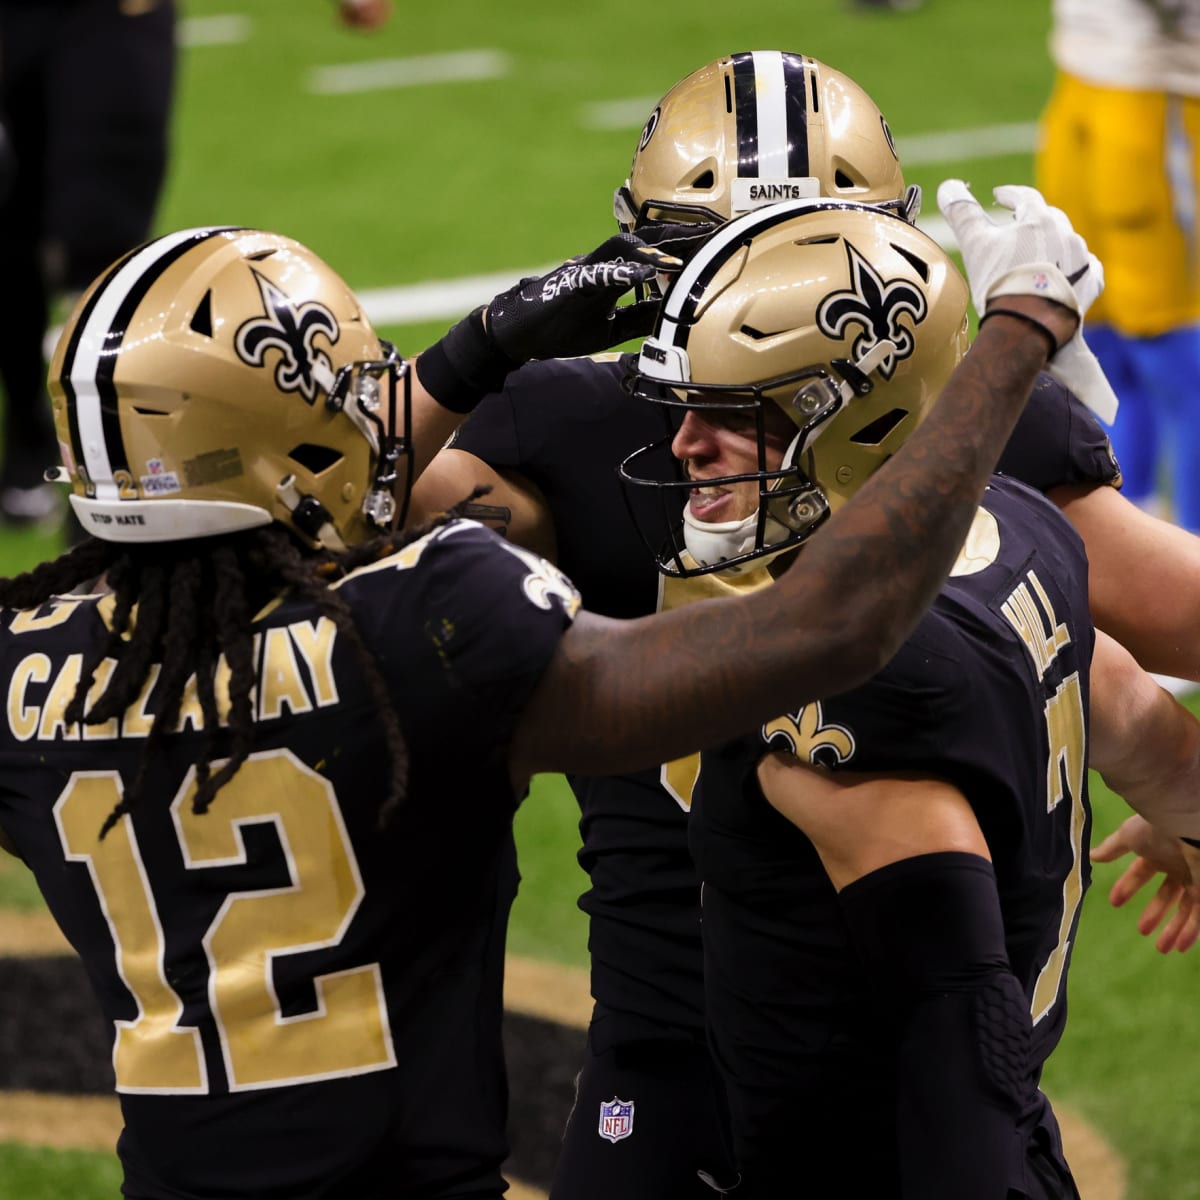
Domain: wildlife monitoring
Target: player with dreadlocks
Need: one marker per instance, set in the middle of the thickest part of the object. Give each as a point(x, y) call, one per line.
point(306, 1000)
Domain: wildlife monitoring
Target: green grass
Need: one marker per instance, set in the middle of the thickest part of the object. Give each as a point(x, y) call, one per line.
point(18, 892)
point(546, 921)
point(32, 1173)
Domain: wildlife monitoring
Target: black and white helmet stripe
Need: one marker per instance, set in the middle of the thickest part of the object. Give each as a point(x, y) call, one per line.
point(771, 100)
point(688, 290)
point(90, 359)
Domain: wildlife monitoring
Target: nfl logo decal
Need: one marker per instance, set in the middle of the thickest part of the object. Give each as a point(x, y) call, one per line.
point(616, 1119)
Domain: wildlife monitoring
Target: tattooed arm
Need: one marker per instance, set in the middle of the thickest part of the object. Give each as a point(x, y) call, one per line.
point(621, 695)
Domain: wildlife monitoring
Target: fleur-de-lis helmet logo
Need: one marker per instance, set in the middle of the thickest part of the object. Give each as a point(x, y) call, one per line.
point(876, 306)
point(289, 328)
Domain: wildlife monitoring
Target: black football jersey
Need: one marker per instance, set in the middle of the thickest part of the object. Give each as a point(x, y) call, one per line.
point(1058, 440)
point(303, 1004)
point(990, 693)
point(565, 425)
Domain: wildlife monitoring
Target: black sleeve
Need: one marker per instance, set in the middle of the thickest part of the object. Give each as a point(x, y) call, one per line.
point(930, 937)
point(490, 432)
point(1058, 440)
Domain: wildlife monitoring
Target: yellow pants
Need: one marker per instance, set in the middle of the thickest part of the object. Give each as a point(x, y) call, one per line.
point(1125, 167)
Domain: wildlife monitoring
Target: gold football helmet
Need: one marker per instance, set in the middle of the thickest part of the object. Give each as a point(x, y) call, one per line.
point(218, 379)
point(847, 318)
point(757, 128)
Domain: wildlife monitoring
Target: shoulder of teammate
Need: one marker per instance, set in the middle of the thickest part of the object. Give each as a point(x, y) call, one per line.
point(491, 611)
point(539, 402)
point(1057, 441)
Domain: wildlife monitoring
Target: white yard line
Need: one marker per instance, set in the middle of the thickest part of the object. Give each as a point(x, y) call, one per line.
point(384, 73)
point(439, 299)
point(989, 141)
point(214, 31)
point(609, 115)
point(916, 150)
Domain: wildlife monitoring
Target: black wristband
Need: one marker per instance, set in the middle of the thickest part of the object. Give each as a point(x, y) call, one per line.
point(465, 365)
point(1194, 842)
point(1044, 330)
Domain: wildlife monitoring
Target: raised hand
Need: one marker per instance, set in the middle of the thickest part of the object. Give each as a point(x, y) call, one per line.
point(570, 311)
point(573, 310)
point(1035, 253)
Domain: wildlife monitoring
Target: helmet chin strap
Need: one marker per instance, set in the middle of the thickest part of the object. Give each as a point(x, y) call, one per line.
point(710, 542)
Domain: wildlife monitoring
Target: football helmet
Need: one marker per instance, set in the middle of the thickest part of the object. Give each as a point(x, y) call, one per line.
point(218, 379)
point(847, 318)
point(757, 128)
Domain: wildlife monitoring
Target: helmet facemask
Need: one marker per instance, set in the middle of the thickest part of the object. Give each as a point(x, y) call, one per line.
point(791, 504)
point(839, 320)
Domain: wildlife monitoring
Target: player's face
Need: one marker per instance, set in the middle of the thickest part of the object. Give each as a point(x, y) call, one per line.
point(719, 443)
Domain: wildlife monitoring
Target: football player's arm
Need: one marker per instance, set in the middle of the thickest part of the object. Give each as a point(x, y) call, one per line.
point(513, 506)
point(1143, 742)
point(7, 845)
point(619, 695)
point(916, 886)
point(1146, 746)
point(1144, 577)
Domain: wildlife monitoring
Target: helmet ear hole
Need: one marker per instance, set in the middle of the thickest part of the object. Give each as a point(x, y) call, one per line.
point(705, 180)
point(314, 458)
point(918, 263)
point(877, 431)
point(201, 321)
point(842, 180)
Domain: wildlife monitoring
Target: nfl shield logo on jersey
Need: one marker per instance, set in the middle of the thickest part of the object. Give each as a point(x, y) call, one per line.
point(616, 1119)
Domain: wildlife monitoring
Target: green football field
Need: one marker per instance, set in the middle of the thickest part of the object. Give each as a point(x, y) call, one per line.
point(505, 159)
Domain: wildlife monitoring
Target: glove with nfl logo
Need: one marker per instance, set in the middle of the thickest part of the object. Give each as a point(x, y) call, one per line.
point(1036, 253)
point(570, 311)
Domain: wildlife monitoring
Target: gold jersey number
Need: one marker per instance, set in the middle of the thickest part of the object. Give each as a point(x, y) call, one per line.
point(346, 1034)
point(1064, 781)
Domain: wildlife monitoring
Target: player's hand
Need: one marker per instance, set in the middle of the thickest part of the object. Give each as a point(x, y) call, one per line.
point(1177, 900)
point(573, 310)
point(1036, 253)
point(569, 311)
point(681, 240)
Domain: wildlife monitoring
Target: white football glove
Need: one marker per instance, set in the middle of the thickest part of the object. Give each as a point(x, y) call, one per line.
point(1037, 253)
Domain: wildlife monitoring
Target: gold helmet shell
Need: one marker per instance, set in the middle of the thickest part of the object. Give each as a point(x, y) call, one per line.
point(846, 318)
point(218, 379)
point(757, 128)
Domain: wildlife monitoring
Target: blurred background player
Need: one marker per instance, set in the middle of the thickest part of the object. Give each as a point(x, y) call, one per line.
point(364, 14)
point(85, 100)
point(1120, 153)
point(240, 441)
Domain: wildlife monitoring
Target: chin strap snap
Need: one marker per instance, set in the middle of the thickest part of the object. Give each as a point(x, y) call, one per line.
point(309, 515)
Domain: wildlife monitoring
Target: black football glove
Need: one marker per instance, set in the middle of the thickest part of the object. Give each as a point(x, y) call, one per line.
point(570, 311)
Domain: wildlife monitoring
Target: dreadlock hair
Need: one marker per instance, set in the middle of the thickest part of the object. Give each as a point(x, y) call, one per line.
point(195, 604)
